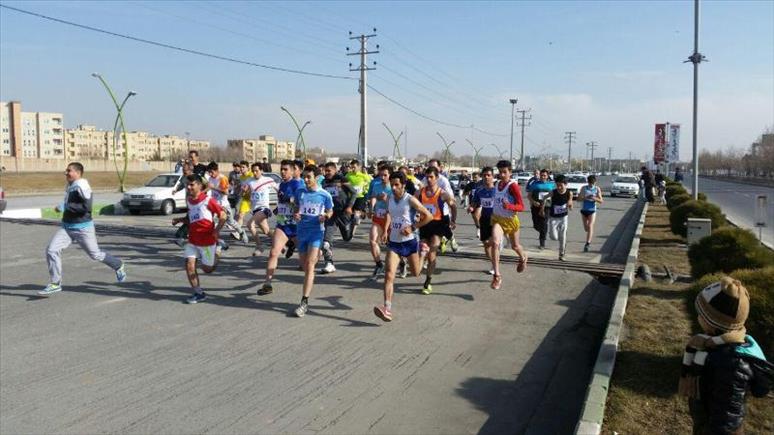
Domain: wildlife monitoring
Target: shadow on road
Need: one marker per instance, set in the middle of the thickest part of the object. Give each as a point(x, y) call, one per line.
point(548, 394)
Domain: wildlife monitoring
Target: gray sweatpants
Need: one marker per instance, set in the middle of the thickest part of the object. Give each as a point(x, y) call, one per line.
point(87, 238)
point(557, 230)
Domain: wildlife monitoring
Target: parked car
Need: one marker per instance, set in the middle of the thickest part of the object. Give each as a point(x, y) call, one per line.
point(521, 177)
point(574, 184)
point(625, 186)
point(3, 202)
point(454, 180)
point(156, 195)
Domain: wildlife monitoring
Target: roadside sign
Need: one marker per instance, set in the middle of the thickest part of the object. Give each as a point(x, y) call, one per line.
point(761, 210)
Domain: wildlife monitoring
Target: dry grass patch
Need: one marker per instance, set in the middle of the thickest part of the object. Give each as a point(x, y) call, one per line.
point(44, 182)
point(643, 390)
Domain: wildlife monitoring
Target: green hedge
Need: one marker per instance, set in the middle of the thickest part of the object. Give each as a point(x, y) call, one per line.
point(675, 189)
point(760, 323)
point(675, 200)
point(728, 249)
point(695, 209)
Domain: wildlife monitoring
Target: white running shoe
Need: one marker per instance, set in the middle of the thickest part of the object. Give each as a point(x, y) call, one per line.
point(329, 268)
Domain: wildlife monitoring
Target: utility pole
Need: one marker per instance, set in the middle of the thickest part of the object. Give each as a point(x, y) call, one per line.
point(513, 102)
point(568, 137)
point(696, 58)
point(363, 53)
point(609, 157)
point(523, 120)
point(592, 146)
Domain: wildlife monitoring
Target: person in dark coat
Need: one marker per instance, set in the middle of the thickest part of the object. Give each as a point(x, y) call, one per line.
point(723, 363)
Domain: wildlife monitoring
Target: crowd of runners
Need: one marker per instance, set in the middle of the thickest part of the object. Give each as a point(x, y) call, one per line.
point(412, 213)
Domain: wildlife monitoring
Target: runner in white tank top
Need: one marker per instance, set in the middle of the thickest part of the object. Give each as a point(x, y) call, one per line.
point(402, 240)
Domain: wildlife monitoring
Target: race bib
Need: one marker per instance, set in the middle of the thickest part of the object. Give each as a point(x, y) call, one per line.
point(284, 210)
point(397, 225)
point(487, 203)
point(542, 195)
point(195, 216)
point(560, 209)
point(358, 189)
point(258, 196)
point(380, 213)
point(334, 191)
point(431, 208)
point(311, 209)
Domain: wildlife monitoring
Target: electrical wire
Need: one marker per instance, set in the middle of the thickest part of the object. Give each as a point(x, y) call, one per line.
point(176, 48)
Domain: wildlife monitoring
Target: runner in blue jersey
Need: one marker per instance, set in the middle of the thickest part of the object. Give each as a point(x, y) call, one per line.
point(285, 230)
point(314, 206)
point(591, 194)
point(482, 203)
point(378, 193)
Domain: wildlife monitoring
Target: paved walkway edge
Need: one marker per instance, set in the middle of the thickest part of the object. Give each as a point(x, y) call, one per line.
point(593, 413)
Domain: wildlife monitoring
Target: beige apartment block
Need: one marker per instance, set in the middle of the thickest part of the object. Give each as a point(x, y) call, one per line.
point(254, 150)
point(30, 134)
point(87, 142)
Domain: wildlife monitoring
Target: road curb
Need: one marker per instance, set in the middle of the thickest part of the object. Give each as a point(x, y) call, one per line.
point(590, 422)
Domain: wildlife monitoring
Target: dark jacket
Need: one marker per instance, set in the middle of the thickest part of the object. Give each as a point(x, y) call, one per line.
point(725, 378)
point(77, 204)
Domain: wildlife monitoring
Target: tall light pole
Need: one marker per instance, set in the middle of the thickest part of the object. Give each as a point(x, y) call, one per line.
point(499, 151)
point(119, 118)
point(696, 58)
point(447, 147)
point(513, 102)
point(395, 140)
point(476, 152)
point(300, 138)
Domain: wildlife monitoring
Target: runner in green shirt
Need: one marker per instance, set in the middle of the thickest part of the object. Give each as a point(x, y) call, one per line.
point(359, 182)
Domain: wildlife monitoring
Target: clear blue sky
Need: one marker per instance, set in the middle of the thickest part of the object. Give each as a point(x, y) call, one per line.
point(607, 70)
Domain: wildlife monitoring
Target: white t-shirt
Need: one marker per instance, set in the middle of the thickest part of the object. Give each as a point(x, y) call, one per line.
point(259, 191)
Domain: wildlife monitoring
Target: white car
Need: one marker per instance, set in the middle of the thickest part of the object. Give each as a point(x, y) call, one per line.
point(521, 177)
point(574, 184)
point(156, 195)
point(625, 186)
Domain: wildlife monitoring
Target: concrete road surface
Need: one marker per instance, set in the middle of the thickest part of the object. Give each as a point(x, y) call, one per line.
point(738, 203)
point(133, 358)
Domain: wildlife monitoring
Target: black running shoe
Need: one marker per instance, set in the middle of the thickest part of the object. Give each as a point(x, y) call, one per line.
point(291, 248)
point(266, 289)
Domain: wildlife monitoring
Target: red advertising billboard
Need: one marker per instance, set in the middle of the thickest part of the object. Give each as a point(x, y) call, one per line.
point(659, 144)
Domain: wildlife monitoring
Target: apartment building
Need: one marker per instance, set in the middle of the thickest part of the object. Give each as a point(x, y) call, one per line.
point(30, 134)
point(87, 142)
point(254, 150)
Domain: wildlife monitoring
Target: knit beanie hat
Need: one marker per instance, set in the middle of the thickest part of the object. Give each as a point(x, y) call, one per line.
point(724, 305)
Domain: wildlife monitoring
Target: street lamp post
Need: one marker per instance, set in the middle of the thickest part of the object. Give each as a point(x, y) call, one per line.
point(696, 58)
point(119, 119)
point(300, 138)
point(513, 102)
point(447, 147)
point(395, 140)
point(476, 152)
point(499, 151)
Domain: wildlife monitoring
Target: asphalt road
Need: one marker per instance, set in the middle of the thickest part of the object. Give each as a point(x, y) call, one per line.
point(133, 358)
point(738, 203)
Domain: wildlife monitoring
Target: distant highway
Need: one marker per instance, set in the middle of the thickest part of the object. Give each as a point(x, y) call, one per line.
point(738, 203)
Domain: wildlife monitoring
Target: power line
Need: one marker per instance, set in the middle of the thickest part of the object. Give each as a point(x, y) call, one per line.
point(237, 61)
point(176, 48)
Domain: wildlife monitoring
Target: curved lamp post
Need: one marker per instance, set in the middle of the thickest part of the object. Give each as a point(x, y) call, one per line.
point(499, 151)
point(119, 118)
point(396, 140)
point(447, 147)
point(300, 138)
point(476, 153)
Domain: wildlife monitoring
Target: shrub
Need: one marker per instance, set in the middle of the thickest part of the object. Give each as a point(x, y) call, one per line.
point(702, 197)
point(675, 200)
point(760, 323)
point(728, 249)
point(675, 190)
point(694, 209)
